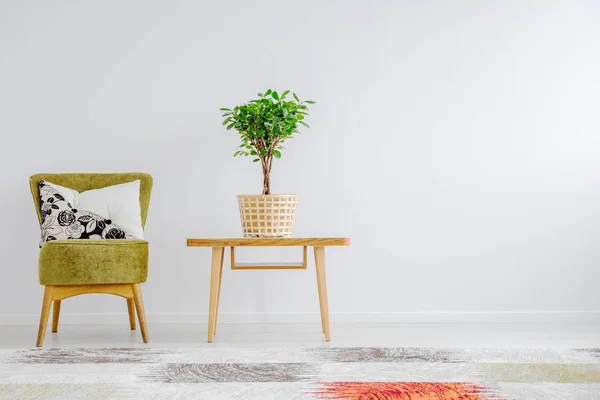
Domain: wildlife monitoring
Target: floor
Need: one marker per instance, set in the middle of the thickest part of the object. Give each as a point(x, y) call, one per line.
point(466, 335)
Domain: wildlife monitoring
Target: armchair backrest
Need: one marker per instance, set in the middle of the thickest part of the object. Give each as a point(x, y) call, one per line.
point(86, 181)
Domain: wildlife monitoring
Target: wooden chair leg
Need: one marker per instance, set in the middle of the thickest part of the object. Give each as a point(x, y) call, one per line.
point(322, 282)
point(131, 311)
point(139, 306)
point(55, 315)
point(46, 304)
point(219, 289)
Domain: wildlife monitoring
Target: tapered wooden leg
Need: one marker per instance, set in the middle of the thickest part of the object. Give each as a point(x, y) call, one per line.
point(214, 290)
point(320, 290)
point(322, 283)
point(46, 304)
point(131, 311)
point(55, 315)
point(139, 306)
point(219, 290)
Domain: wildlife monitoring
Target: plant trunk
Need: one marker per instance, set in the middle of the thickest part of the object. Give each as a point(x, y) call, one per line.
point(266, 184)
point(266, 167)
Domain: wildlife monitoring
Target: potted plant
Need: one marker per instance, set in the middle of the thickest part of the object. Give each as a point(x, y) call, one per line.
point(264, 124)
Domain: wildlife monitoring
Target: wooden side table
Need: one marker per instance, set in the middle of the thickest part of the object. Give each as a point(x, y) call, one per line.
point(218, 250)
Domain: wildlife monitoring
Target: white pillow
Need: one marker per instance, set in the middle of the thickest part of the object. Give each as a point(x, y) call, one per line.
point(119, 203)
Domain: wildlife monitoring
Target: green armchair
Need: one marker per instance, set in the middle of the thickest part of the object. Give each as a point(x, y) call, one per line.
point(72, 267)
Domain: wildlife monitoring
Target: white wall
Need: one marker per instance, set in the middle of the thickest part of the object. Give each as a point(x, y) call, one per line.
point(457, 143)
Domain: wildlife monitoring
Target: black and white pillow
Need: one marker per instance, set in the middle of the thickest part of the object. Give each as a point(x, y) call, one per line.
point(61, 221)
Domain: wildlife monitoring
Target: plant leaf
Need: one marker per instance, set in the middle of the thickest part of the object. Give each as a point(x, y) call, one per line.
point(275, 95)
point(276, 153)
point(268, 92)
point(224, 109)
point(284, 94)
point(310, 102)
point(302, 122)
point(226, 121)
point(256, 160)
point(296, 97)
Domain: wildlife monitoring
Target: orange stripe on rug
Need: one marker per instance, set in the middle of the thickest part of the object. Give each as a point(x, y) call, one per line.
point(403, 391)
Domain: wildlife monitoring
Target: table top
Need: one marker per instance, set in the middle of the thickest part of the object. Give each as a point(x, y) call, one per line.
point(250, 241)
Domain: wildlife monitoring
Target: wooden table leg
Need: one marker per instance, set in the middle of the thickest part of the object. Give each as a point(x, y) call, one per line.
point(322, 285)
point(219, 290)
point(217, 253)
point(320, 291)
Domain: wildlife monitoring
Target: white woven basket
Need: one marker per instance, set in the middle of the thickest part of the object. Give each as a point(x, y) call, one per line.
point(270, 215)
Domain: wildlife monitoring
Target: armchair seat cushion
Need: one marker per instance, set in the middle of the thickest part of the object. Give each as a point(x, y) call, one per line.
point(85, 262)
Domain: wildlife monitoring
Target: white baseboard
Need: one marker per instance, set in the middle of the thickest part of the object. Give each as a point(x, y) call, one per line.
point(569, 317)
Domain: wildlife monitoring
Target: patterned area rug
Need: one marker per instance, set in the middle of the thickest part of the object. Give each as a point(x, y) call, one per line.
point(313, 373)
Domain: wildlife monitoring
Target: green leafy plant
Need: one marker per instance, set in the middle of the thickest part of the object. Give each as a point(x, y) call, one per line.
point(264, 124)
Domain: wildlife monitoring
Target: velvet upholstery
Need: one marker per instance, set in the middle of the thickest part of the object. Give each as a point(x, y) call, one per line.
point(82, 261)
point(104, 261)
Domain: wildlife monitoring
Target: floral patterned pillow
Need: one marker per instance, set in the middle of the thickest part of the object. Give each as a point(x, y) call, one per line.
point(61, 221)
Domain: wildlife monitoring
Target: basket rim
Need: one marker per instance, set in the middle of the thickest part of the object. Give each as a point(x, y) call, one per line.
point(266, 195)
